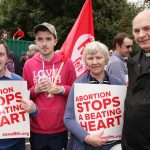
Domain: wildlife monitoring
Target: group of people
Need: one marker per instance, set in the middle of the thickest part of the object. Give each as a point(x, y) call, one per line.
point(51, 82)
point(32, 50)
point(15, 64)
point(18, 35)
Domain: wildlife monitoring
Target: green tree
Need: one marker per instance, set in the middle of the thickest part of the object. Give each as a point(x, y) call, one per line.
point(110, 16)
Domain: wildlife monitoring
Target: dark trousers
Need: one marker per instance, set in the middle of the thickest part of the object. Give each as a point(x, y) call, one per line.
point(19, 146)
point(56, 141)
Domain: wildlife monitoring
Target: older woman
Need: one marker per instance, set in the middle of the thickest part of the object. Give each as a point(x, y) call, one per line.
point(96, 56)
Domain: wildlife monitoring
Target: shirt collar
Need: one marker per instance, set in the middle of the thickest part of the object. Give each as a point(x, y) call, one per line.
point(95, 81)
point(147, 54)
point(7, 73)
point(118, 55)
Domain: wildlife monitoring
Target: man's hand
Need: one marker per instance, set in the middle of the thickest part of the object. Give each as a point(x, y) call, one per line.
point(43, 86)
point(56, 89)
point(28, 105)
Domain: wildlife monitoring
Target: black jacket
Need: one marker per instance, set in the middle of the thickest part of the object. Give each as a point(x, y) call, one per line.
point(136, 129)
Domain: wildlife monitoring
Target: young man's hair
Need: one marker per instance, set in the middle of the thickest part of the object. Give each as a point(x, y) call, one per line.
point(119, 38)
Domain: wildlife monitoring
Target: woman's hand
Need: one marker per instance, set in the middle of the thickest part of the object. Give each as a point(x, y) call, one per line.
point(95, 139)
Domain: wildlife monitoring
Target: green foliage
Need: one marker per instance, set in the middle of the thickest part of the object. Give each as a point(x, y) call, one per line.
point(110, 16)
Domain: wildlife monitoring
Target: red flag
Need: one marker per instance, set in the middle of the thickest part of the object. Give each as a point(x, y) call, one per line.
point(81, 33)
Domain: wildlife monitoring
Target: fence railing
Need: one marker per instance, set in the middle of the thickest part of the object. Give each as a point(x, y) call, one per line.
point(18, 46)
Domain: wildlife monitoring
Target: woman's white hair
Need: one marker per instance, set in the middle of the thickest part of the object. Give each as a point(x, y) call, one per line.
point(94, 47)
point(33, 47)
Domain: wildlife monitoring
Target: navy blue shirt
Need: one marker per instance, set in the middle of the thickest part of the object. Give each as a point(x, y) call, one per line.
point(5, 143)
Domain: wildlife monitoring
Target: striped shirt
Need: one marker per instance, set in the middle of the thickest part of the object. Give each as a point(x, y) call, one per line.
point(117, 66)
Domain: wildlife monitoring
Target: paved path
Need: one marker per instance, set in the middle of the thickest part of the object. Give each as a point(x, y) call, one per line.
point(27, 145)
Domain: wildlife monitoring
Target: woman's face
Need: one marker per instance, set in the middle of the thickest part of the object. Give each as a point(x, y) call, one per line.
point(96, 63)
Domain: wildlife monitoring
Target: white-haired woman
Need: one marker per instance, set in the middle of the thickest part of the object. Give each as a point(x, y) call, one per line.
point(33, 49)
point(96, 56)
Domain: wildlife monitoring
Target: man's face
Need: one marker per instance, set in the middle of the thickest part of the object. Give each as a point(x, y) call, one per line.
point(3, 59)
point(126, 48)
point(141, 31)
point(45, 42)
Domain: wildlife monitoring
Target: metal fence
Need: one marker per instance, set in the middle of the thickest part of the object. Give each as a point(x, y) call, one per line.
point(18, 46)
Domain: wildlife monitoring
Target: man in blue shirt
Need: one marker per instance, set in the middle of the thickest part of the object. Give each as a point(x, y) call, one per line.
point(117, 64)
point(28, 105)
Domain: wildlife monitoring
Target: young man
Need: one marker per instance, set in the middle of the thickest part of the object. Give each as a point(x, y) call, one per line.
point(28, 105)
point(137, 104)
point(49, 80)
point(117, 63)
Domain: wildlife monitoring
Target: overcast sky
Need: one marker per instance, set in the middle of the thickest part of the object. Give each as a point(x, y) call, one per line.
point(135, 1)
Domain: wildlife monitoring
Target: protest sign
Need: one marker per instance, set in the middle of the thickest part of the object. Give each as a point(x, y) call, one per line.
point(100, 107)
point(14, 121)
